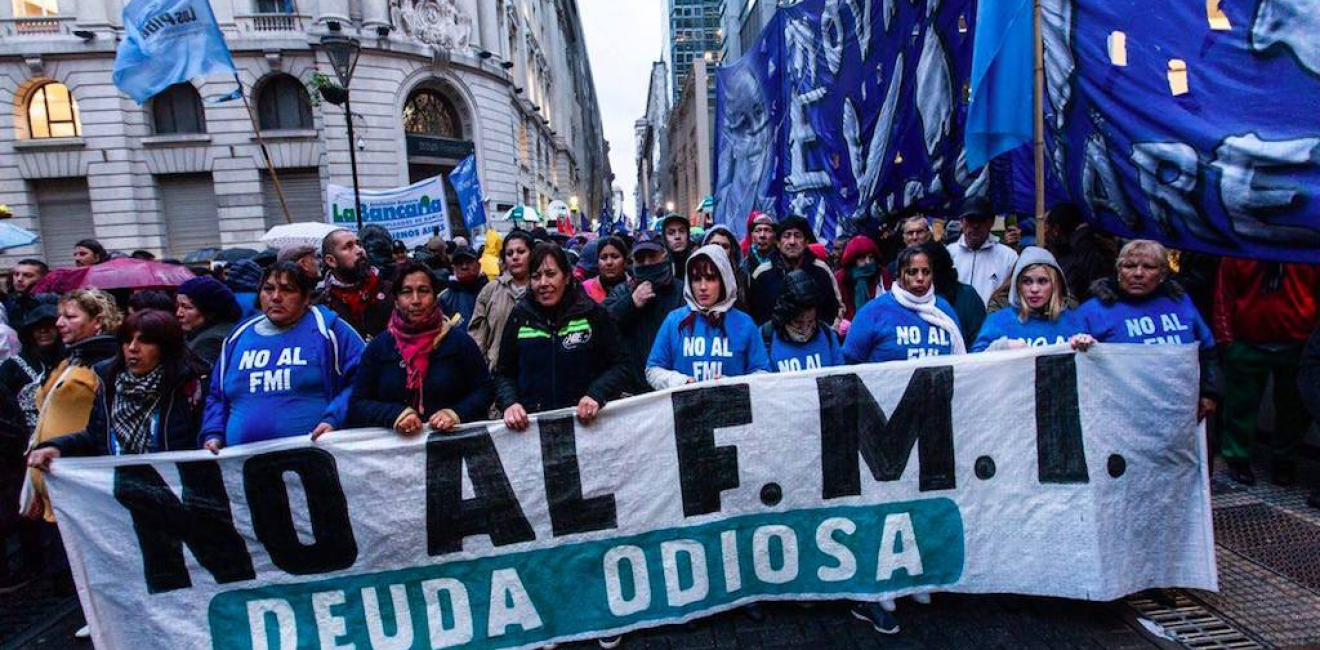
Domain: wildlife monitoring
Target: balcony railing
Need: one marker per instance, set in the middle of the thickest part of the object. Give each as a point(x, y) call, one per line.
point(271, 22)
point(36, 26)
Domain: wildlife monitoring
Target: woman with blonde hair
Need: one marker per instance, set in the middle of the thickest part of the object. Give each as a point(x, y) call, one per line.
point(88, 319)
point(1037, 312)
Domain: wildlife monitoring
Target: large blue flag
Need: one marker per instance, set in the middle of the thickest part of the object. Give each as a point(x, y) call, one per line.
point(468, 188)
point(999, 117)
point(168, 42)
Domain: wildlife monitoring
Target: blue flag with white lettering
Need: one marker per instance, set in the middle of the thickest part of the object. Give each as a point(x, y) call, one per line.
point(468, 188)
point(168, 42)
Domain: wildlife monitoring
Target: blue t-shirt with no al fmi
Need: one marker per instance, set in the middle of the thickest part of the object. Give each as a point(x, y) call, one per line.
point(276, 384)
point(887, 331)
point(1036, 332)
point(705, 352)
point(822, 351)
point(1156, 320)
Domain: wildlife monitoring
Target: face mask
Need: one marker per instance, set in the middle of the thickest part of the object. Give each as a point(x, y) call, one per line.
point(865, 270)
point(660, 274)
point(796, 335)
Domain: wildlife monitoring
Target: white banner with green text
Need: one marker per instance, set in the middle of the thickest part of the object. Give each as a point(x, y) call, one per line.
point(1033, 472)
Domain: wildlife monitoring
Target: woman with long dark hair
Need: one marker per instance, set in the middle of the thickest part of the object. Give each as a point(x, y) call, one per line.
point(611, 268)
point(966, 303)
point(560, 348)
point(909, 322)
point(497, 298)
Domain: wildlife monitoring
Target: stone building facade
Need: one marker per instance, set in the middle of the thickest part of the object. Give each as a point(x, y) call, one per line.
point(436, 80)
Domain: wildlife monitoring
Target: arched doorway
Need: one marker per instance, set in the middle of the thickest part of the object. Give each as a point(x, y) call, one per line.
point(439, 136)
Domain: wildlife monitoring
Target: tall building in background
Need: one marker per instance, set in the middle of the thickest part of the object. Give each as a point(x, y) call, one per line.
point(652, 144)
point(694, 33)
point(508, 80)
point(741, 22)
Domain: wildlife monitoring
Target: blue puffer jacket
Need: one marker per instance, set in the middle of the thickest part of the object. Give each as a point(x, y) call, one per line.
point(551, 360)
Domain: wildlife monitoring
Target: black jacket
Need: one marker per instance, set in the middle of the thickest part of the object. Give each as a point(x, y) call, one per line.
point(552, 360)
point(206, 344)
point(461, 298)
point(1086, 257)
point(768, 283)
point(456, 379)
point(638, 327)
point(178, 415)
point(379, 301)
point(1308, 375)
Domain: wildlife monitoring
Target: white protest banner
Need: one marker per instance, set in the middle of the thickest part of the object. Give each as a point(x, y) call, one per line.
point(410, 213)
point(1034, 472)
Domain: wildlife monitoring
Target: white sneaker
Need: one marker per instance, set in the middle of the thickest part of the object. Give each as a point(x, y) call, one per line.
point(610, 642)
point(888, 605)
point(84, 632)
point(922, 598)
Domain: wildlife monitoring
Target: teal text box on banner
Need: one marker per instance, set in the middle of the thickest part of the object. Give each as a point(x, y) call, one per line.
point(576, 590)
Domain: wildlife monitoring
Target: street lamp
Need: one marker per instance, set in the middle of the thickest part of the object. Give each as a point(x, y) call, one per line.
point(343, 53)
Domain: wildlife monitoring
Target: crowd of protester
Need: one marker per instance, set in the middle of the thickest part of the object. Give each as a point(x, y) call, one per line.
point(350, 335)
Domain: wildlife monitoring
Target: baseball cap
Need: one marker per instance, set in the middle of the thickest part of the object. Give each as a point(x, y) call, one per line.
point(648, 241)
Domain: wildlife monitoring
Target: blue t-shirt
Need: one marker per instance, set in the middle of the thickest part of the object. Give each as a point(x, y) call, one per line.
point(822, 351)
point(1036, 332)
point(276, 384)
point(704, 352)
point(887, 331)
point(1157, 320)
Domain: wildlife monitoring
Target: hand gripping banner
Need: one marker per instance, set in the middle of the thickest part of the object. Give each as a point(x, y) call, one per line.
point(1033, 472)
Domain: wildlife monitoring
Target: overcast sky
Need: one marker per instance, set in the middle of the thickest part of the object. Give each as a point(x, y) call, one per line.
point(623, 38)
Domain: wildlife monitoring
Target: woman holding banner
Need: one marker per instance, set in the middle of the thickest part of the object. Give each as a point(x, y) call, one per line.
point(1144, 305)
point(709, 338)
point(795, 337)
point(149, 398)
point(497, 299)
point(423, 370)
point(560, 349)
point(1038, 313)
point(296, 361)
point(909, 322)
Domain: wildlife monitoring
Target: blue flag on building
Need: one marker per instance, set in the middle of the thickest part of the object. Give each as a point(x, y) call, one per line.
point(999, 115)
point(468, 188)
point(168, 42)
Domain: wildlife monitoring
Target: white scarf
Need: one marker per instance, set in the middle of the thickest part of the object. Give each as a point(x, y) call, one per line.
point(925, 307)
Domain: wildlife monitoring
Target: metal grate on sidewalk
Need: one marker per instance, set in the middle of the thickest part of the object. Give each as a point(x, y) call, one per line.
point(1272, 538)
point(1193, 625)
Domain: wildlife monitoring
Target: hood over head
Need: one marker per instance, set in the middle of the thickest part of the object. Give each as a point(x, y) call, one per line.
point(1031, 256)
point(727, 232)
point(857, 248)
point(721, 260)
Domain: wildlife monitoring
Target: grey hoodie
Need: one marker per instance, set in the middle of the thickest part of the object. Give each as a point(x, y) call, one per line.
point(1031, 256)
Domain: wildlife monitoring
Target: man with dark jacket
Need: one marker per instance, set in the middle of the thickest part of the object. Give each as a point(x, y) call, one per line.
point(460, 297)
point(1264, 314)
point(677, 232)
point(768, 279)
point(27, 273)
point(352, 288)
point(1084, 253)
point(640, 305)
point(761, 243)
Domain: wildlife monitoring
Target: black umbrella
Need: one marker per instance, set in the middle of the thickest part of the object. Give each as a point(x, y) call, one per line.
point(201, 256)
point(235, 254)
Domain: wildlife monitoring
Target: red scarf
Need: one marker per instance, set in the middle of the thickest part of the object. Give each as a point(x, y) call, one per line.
point(356, 297)
point(414, 342)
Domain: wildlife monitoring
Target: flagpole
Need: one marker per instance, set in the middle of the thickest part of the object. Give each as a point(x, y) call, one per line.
point(270, 164)
point(1038, 110)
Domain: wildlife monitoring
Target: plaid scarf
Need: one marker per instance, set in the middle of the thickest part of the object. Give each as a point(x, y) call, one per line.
point(130, 416)
point(356, 296)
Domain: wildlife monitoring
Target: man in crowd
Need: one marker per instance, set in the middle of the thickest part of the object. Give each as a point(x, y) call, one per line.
point(794, 235)
point(460, 297)
point(915, 231)
point(352, 288)
point(761, 231)
point(678, 239)
point(981, 260)
point(1264, 314)
point(27, 273)
point(302, 255)
point(640, 305)
point(1084, 253)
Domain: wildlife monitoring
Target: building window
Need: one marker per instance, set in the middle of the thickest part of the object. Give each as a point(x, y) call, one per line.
point(430, 113)
point(282, 104)
point(178, 109)
point(35, 8)
point(274, 6)
point(52, 112)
